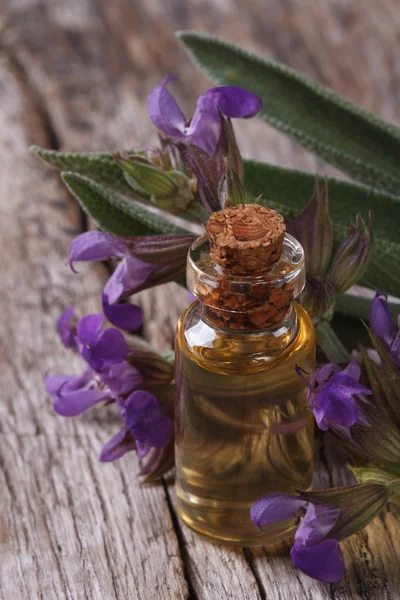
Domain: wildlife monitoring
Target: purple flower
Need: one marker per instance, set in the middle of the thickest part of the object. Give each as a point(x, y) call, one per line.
point(119, 445)
point(205, 126)
point(100, 348)
point(382, 325)
point(144, 417)
point(144, 423)
point(72, 394)
point(65, 329)
point(313, 552)
point(130, 273)
point(167, 256)
point(121, 378)
point(334, 396)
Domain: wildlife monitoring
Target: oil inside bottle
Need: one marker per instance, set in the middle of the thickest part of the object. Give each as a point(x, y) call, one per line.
point(243, 429)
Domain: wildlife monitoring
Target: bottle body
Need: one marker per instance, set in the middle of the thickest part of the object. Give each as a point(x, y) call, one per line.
point(242, 424)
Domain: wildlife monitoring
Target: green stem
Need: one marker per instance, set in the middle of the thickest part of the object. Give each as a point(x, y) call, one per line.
point(349, 305)
point(330, 344)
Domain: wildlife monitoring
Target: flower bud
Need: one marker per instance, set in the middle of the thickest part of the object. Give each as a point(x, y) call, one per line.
point(146, 176)
point(313, 229)
point(318, 296)
point(352, 256)
point(384, 381)
point(379, 442)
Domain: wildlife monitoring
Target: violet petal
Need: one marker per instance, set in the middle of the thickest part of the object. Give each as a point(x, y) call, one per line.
point(95, 245)
point(380, 319)
point(277, 507)
point(125, 316)
point(110, 348)
point(143, 415)
point(64, 329)
point(324, 561)
point(235, 102)
point(316, 524)
point(70, 383)
point(121, 378)
point(88, 328)
point(205, 127)
point(119, 445)
point(165, 113)
point(131, 273)
point(70, 404)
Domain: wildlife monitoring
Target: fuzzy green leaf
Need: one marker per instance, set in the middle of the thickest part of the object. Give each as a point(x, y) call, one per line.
point(99, 166)
point(346, 136)
point(102, 168)
point(288, 191)
point(113, 213)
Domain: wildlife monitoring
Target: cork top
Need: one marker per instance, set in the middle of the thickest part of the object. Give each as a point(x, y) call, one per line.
point(247, 238)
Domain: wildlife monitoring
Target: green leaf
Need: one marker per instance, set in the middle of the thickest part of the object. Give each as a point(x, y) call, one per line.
point(288, 191)
point(328, 341)
point(115, 214)
point(346, 136)
point(104, 169)
point(99, 166)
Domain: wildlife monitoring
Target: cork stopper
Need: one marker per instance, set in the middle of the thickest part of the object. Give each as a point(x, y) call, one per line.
point(247, 238)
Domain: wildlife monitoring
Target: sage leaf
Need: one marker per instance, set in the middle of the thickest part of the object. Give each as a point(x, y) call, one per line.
point(342, 133)
point(99, 166)
point(288, 191)
point(113, 213)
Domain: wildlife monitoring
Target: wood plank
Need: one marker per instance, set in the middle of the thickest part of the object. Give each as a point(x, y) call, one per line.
point(42, 69)
point(74, 528)
point(70, 527)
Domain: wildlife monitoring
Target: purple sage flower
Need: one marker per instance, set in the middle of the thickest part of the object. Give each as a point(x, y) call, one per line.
point(383, 327)
point(72, 394)
point(205, 126)
point(65, 330)
point(121, 378)
point(164, 260)
point(145, 426)
point(313, 553)
point(130, 273)
point(98, 347)
point(334, 396)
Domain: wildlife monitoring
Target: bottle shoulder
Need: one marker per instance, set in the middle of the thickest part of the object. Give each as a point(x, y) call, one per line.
point(215, 349)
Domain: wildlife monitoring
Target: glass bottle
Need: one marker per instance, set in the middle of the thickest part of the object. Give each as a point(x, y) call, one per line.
point(242, 424)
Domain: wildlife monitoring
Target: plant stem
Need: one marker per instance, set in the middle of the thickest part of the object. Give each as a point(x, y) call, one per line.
point(330, 344)
point(358, 307)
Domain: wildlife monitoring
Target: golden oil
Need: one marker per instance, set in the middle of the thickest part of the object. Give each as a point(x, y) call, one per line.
point(242, 424)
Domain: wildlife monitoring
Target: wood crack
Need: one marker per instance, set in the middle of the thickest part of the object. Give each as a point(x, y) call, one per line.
point(248, 559)
point(32, 94)
point(192, 595)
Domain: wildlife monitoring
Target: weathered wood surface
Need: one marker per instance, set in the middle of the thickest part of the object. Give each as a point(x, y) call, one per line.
point(75, 75)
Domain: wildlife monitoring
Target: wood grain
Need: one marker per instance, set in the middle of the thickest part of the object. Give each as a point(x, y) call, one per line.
point(75, 75)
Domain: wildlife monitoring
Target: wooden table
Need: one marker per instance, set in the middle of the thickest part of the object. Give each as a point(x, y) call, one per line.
point(75, 75)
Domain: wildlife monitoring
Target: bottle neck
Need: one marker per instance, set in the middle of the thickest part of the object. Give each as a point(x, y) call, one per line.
point(247, 314)
point(248, 302)
point(276, 337)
